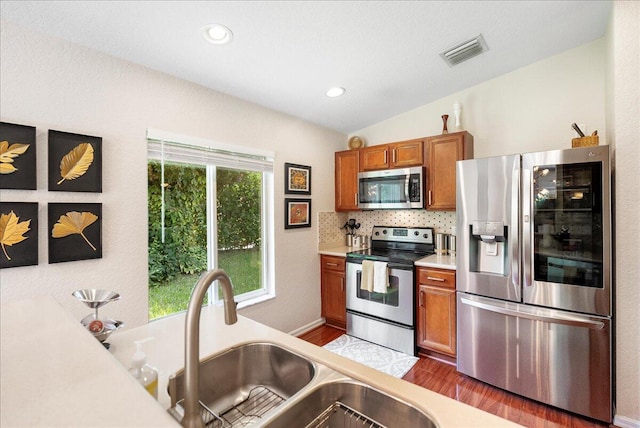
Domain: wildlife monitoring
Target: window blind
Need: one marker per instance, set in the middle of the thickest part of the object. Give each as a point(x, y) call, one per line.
point(208, 153)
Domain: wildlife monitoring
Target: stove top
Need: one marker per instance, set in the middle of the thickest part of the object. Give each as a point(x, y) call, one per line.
point(389, 255)
point(400, 246)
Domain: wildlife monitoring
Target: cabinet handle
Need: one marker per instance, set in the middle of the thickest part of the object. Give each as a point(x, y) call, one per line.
point(421, 299)
point(394, 155)
point(341, 284)
point(332, 264)
point(435, 279)
point(385, 156)
point(429, 197)
point(355, 199)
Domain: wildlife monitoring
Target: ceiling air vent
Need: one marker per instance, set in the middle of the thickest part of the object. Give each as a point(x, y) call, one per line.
point(464, 51)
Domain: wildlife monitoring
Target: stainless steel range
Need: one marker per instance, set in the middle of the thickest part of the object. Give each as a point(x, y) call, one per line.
point(386, 315)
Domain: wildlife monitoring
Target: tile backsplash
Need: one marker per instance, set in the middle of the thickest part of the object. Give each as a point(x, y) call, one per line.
point(330, 223)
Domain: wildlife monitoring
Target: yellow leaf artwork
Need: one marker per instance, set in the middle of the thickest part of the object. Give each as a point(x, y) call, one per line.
point(75, 163)
point(12, 231)
point(7, 155)
point(72, 223)
point(7, 168)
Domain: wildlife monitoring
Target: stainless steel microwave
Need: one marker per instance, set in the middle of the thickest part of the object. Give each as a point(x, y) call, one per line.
point(401, 188)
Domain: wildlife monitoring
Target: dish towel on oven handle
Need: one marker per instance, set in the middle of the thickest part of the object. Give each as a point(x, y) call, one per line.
point(366, 279)
point(380, 277)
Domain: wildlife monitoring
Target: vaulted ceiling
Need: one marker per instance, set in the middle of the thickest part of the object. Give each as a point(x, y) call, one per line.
point(286, 54)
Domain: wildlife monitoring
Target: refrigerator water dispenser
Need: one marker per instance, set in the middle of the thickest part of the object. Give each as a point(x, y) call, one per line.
point(488, 249)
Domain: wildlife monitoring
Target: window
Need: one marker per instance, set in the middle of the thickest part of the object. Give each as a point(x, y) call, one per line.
point(210, 206)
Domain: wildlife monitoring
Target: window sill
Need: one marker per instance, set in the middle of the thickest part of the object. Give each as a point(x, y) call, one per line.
point(239, 305)
point(255, 300)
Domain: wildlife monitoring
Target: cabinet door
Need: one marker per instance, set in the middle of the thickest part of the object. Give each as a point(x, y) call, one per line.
point(374, 158)
point(436, 328)
point(346, 180)
point(407, 154)
point(333, 290)
point(437, 319)
point(442, 153)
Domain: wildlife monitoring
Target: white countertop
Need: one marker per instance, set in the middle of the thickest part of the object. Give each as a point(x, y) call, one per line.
point(435, 260)
point(337, 250)
point(54, 373)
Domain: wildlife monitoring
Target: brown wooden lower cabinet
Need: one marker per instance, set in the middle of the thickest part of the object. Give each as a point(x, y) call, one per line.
point(436, 329)
point(333, 294)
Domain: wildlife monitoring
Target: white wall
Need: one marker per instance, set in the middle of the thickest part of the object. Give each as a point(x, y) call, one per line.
point(623, 124)
point(531, 109)
point(526, 110)
point(52, 84)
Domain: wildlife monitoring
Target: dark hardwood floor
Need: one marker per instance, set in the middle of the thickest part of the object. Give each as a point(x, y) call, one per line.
point(444, 379)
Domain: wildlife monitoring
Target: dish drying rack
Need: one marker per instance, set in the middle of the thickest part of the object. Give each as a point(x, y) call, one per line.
point(260, 400)
point(339, 415)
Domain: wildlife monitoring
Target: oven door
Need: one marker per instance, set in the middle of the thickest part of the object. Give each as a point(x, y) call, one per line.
point(396, 305)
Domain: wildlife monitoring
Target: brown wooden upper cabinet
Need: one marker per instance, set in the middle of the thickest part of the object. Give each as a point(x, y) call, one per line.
point(442, 152)
point(394, 155)
point(346, 182)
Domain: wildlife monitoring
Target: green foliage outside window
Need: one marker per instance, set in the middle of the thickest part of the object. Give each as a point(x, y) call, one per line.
point(184, 250)
point(239, 208)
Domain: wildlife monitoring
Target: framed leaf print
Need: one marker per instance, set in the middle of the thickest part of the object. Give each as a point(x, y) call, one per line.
point(297, 179)
point(75, 231)
point(75, 162)
point(297, 213)
point(18, 234)
point(17, 156)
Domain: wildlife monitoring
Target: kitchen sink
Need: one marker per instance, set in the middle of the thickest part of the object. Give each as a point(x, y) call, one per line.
point(242, 384)
point(266, 385)
point(344, 403)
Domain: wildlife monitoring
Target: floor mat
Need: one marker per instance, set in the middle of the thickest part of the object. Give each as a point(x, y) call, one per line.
point(371, 355)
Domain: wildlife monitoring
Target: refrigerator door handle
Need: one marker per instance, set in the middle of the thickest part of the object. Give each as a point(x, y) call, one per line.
point(514, 236)
point(531, 314)
point(527, 225)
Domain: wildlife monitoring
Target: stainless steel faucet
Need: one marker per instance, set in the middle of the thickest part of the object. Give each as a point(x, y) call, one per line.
point(192, 416)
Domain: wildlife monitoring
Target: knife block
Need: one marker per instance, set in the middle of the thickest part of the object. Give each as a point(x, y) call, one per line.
point(592, 140)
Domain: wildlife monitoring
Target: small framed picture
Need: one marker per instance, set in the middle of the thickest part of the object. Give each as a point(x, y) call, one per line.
point(17, 156)
point(297, 213)
point(18, 234)
point(297, 179)
point(75, 231)
point(75, 162)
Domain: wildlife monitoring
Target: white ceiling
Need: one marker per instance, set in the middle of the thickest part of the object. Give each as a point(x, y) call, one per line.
point(286, 54)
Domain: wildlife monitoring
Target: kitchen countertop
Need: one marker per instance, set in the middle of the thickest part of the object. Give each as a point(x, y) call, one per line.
point(75, 381)
point(53, 373)
point(435, 260)
point(334, 249)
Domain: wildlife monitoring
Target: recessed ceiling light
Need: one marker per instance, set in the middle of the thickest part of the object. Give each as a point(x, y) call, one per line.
point(335, 92)
point(217, 34)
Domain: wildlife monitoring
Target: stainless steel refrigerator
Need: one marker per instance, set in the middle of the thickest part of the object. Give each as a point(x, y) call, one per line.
point(534, 287)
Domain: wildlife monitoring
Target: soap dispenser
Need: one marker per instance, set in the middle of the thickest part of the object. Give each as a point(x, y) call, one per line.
point(146, 375)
